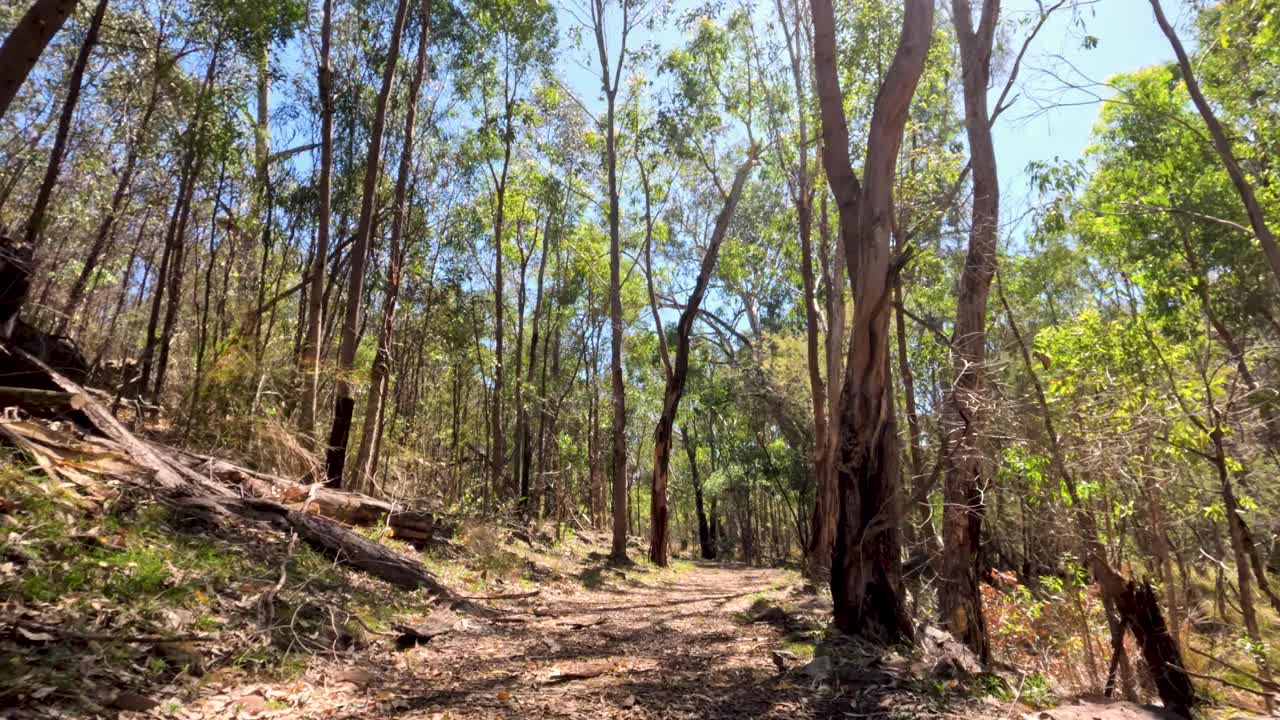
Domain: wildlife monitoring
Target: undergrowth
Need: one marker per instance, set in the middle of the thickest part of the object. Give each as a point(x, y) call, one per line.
point(80, 578)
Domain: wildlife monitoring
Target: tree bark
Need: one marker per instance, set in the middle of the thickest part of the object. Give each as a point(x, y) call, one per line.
point(497, 461)
point(27, 42)
point(107, 225)
point(960, 600)
point(344, 401)
point(817, 559)
point(36, 222)
point(866, 567)
point(822, 536)
point(706, 541)
point(524, 435)
point(662, 434)
point(610, 82)
point(367, 457)
point(315, 298)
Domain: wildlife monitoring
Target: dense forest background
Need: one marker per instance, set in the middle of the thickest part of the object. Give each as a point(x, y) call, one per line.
point(753, 295)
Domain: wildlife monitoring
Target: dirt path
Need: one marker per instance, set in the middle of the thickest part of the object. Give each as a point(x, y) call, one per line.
point(677, 648)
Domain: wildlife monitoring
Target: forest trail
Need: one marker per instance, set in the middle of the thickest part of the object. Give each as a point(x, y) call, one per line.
point(677, 648)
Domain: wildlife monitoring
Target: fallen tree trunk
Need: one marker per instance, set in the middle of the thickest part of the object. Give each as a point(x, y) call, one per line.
point(323, 535)
point(413, 526)
point(40, 400)
point(203, 494)
point(23, 369)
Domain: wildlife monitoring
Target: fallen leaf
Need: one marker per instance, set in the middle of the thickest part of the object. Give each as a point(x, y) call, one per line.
point(35, 636)
point(252, 704)
point(504, 696)
point(580, 671)
point(132, 702)
point(355, 676)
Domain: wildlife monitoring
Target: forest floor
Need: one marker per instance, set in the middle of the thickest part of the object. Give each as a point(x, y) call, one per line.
point(121, 609)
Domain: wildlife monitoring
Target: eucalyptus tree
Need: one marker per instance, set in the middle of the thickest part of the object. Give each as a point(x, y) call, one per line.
point(324, 211)
point(513, 42)
point(960, 600)
point(612, 63)
point(866, 565)
point(795, 27)
point(714, 89)
point(26, 42)
point(379, 374)
point(344, 398)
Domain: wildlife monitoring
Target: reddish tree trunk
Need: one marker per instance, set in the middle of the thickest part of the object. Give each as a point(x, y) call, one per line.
point(662, 434)
point(866, 566)
point(960, 598)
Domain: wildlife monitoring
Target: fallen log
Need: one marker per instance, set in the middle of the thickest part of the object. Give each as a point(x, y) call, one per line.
point(203, 495)
point(327, 537)
point(25, 370)
point(412, 526)
point(30, 399)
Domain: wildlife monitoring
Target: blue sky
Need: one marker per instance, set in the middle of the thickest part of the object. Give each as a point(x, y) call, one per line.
point(1050, 120)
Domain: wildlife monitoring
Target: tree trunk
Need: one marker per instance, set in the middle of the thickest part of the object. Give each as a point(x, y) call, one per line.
point(816, 563)
point(172, 251)
point(315, 298)
point(1223, 146)
point(918, 505)
point(36, 222)
point(177, 268)
point(497, 460)
point(706, 541)
point(362, 476)
point(1240, 547)
point(662, 434)
point(518, 391)
point(26, 43)
point(610, 82)
point(107, 225)
point(822, 537)
point(344, 401)
point(525, 440)
point(960, 600)
point(866, 567)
